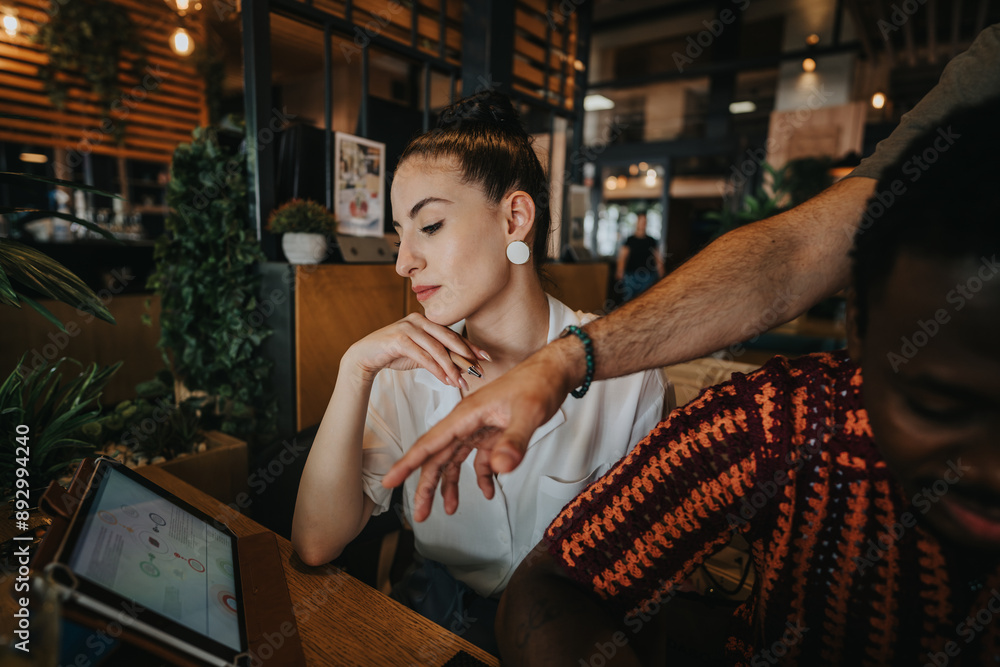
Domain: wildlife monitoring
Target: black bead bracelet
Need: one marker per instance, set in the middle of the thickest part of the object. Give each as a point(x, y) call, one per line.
point(588, 348)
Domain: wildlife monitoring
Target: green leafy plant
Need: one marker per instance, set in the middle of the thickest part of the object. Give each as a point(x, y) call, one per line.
point(207, 279)
point(22, 266)
point(779, 191)
point(151, 425)
point(90, 38)
point(301, 215)
point(55, 413)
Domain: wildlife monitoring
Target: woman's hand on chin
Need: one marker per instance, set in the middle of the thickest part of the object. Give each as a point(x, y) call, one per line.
point(414, 342)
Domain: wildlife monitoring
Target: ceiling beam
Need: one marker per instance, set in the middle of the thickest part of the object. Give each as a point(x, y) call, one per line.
point(890, 52)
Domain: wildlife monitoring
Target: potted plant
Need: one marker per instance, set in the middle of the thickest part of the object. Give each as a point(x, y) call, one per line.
point(212, 324)
point(51, 404)
point(305, 226)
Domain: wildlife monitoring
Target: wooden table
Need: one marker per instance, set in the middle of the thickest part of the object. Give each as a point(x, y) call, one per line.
point(341, 620)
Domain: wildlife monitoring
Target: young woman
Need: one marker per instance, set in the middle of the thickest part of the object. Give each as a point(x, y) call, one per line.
point(469, 203)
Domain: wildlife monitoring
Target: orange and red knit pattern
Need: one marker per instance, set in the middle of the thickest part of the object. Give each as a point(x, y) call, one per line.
point(786, 457)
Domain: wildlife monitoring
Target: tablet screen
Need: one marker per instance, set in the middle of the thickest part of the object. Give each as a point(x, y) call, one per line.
point(143, 547)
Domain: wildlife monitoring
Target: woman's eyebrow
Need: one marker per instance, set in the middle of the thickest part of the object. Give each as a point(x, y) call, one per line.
point(424, 202)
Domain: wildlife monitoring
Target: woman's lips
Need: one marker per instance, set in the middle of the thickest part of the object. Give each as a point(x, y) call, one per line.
point(424, 293)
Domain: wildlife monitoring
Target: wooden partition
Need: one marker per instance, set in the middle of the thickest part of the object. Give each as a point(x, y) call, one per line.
point(580, 286)
point(88, 339)
point(337, 304)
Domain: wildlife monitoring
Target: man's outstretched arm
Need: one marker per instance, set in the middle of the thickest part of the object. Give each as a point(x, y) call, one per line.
point(745, 282)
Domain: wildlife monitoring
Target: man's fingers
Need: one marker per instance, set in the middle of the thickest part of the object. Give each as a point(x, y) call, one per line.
point(423, 450)
point(465, 424)
point(484, 473)
point(510, 446)
point(505, 457)
point(449, 480)
point(423, 499)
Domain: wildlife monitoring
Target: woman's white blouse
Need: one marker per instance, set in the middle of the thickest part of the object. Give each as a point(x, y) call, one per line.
point(483, 542)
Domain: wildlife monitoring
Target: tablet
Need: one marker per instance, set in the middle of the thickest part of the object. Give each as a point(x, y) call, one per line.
point(139, 556)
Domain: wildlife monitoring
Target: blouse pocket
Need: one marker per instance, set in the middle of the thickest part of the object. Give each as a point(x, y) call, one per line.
point(554, 493)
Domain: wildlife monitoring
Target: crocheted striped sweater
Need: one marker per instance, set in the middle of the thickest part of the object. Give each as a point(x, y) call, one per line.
point(846, 573)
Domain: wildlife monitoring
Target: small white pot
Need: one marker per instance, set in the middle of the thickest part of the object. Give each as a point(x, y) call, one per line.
point(302, 248)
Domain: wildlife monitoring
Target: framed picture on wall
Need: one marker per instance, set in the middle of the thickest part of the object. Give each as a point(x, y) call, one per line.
point(358, 185)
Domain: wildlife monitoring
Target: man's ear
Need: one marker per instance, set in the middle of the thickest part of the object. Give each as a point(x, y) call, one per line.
point(520, 214)
point(855, 343)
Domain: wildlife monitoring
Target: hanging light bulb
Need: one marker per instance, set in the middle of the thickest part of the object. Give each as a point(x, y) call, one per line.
point(181, 42)
point(11, 25)
point(808, 65)
point(878, 100)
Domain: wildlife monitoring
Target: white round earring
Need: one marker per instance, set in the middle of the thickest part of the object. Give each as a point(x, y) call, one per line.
point(518, 252)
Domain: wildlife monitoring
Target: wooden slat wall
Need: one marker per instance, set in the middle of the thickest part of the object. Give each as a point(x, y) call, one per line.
point(534, 20)
point(393, 20)
point(158, 115)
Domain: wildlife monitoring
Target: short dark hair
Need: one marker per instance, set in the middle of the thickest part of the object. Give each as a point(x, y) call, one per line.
point(940, 199)
point(484, 133)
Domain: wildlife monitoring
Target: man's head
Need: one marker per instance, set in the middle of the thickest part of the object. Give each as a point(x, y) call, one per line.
point(925, 324)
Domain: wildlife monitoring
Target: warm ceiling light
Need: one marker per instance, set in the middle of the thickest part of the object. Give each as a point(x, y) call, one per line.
point(11, 25)
point(181, 42)
point(745, 106)
point(643, 166)
point(611, 183)
point(808, 65)
point(34, 158)
point(812, 40)
point(650, 178)
point(878, 100)
point(633, 169)
point(597, 102)
point(622, 181)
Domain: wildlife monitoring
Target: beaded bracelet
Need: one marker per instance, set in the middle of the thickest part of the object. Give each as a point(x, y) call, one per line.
point(588, 348)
